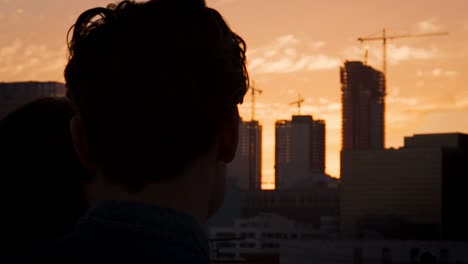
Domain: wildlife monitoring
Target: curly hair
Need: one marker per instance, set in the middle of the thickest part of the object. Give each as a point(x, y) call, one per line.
point(152, 82)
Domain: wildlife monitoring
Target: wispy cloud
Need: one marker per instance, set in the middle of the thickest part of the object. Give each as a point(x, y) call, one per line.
point(19, 11)
point(395, 53)
point(20, 61)
point(289, 54)
point(8, 51)
point(407, 114)
point(428, 25)
point(437, 72)
point(318, 45)
point(412, 108)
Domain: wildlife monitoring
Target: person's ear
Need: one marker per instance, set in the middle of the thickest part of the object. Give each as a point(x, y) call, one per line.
point(229, 136)
point(81, 143)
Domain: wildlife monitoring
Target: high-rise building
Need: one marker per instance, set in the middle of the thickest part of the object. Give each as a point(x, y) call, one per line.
point(247, 164)
point(300, 150)
point(414, 192)
point(15, 94)
point(363, 112)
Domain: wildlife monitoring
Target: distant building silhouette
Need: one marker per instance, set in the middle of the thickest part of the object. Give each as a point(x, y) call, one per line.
point(247, 164)
point(299, 151)
point(307, 203)
point(258, 239)
point(16, 94)
point(363, 101)
point(415, 192)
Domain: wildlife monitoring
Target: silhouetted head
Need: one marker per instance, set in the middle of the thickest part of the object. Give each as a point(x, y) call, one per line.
point(42, 179)
point(156, 85)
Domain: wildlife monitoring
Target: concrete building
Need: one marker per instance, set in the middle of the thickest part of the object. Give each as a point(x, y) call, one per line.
point(247, 164)
point(363, 111)
point(372, 251)
point(414, 192)
point(16, 94)
point(259, 236)
point(300, 150)
point(307, 205)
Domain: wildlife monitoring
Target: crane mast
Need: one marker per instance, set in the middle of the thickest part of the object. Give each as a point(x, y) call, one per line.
point(299, 102)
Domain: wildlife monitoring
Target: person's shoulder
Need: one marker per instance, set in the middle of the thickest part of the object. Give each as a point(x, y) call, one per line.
point(67, 249)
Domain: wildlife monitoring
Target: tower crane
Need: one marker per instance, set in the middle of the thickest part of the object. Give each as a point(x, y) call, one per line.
point(253, 90)
point(365, 56)
point(298, 102)
point(385, 38)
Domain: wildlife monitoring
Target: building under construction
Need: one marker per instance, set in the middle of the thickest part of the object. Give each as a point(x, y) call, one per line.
point(363, 111)
point(247, 164)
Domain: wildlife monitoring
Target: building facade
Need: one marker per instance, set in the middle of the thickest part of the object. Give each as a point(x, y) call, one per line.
point(409, 193)
point(363, 106)
point(16, 94)
point(307, 206)
point(299, 150)
point(247, 164)
point(372, 251)
point(261, 236)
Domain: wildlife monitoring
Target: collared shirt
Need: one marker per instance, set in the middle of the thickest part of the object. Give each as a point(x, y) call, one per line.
point(125, 232)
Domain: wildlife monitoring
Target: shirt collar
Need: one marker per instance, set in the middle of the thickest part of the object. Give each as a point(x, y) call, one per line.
point(152, 220)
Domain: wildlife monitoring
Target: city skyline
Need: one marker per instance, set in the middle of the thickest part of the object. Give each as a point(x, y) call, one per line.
point(296, 48)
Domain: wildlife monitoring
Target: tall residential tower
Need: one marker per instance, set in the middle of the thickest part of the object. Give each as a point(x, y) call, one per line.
point(247, 164)
point(363, 101)
point(300, 150)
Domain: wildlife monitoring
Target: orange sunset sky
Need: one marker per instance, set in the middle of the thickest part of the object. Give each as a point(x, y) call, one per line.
point(296, 46)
